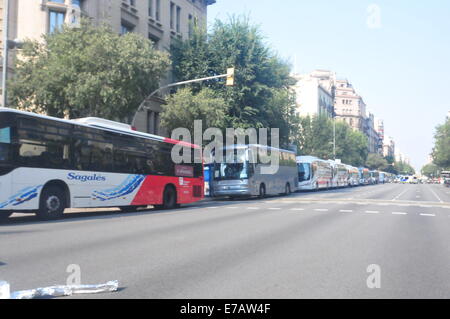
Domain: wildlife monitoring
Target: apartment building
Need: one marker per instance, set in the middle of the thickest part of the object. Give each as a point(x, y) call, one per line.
point(349, 106)
point(314, 96)
point(161, 21)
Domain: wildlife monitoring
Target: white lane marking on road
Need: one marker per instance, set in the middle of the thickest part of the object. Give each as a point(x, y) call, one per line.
point(274, 208)
point(346, 211)
point(428, 215)
point(212, 207)
point(434, 193)
point(372, 212)
point(398, 196)
point(298, 209)
point(321, 210)
point(252, 208)
point(399, 213)
point(232, 207)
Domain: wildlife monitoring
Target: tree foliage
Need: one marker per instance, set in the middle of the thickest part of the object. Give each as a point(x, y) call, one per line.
point(261, 95)
point(376, 162)
point(441, 151)
point(403, 168)
point(87, 71)
point(316, 139)
point(431, 170)
point(205, 106)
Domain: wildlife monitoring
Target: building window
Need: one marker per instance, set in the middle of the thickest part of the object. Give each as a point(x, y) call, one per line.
point(155, 41)
point(172, 12)
point(133, 3)
point(58, 1)
point(125, 28)
point(152, 122)
point(150, 8)
point(158, 10)
point(178, 19)
point(56, 20)
point(191, 26)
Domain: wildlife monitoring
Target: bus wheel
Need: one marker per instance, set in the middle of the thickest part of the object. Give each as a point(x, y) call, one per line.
point(262, 191)
point(4, 216)
point(52, 203)
point(287, 189)
point(169, 198)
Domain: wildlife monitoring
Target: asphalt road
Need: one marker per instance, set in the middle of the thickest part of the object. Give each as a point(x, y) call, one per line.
point(306, 245)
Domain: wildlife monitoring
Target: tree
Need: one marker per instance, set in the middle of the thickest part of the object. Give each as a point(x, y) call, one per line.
point(87, 71)
point(205, 106)
point(351, 145)
point(404, 168)
point(441, 151)
point(316, 139)
point(431, 170)
point(376, 162)
point(261, 95)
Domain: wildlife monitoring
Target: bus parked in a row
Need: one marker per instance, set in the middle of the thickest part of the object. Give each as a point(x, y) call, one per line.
point(244, 176)
point(314, 173)
point(49, 164)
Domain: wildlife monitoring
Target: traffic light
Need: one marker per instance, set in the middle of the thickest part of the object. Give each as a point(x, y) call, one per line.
point(230, 77)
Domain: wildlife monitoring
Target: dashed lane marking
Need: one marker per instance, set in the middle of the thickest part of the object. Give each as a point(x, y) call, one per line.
point(428, 215)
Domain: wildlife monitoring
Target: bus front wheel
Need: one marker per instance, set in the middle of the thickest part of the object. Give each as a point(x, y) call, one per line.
point(52, 203)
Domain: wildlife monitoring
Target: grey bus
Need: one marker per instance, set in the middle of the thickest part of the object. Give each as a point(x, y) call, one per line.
point(244, 175)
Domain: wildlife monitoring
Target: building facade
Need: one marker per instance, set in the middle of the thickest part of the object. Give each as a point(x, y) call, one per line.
point(349, 106)
point(389, 147)
point(161, 21)
point(314, 96)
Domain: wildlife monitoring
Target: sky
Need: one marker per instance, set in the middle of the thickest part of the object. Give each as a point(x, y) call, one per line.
point(396, 53)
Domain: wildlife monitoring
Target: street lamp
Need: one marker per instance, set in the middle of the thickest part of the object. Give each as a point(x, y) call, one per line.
point(230, 82)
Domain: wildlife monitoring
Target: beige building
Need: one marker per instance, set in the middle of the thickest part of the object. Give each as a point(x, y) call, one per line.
point(161, 21)
point(389, 147)
point(349, 106)
point(314, 95)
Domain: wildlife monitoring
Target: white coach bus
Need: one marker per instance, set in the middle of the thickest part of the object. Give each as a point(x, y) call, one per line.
point(313, 173)
point(340, 174)
point(353, 176)
point(242, 176)
point(49, 164)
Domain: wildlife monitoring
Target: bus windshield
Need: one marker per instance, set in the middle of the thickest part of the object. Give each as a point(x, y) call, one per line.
point(231, 171)
point(304, 172)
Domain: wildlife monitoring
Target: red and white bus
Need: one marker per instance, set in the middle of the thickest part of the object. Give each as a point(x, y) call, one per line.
point(49, 164)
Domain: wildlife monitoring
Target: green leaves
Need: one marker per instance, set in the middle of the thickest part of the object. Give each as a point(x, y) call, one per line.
point(441, 151)
point(184, 107)
point(260, 97)
point(87, 71)
point(316, 139)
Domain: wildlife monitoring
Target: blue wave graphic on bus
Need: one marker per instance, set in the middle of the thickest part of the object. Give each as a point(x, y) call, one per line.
point(22, 196)
point(128, 186)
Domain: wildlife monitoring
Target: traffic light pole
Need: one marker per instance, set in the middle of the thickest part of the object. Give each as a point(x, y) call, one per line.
point(142, 106)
